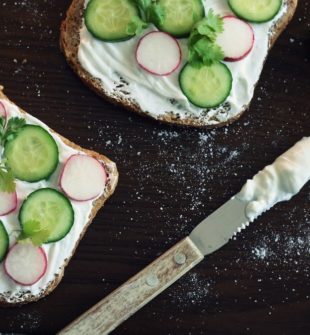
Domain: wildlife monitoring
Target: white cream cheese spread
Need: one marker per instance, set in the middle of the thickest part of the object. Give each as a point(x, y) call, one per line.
point(279, 181)
point(116, 67)
point(57, 253)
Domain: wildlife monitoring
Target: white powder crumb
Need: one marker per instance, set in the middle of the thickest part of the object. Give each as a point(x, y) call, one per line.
point(260, 252)
point(30, 321)
point(193, 289)
point(167, 134)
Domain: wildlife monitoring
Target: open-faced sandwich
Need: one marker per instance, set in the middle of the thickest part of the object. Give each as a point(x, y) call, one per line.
point(50, 191)
point(187, 62)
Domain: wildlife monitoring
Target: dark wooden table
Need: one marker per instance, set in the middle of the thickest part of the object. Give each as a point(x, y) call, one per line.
point(170, 179)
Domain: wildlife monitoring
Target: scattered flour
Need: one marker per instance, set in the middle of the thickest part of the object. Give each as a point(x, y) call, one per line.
point(183, 169)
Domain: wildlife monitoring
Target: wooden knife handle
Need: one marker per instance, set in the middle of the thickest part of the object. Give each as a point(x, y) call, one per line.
point(110, 312)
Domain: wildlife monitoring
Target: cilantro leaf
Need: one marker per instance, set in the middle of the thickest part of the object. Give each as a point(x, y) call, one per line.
point(210, 26)
point(13, 126)
point(2, 123)
point(202, 47)
point(150, 11)
point(155, 14)
point(204, 52)
point(34, 232)
point(136, 26)
point(2, 127)
point(8, 130)
point(7, 183)
point(142, 6)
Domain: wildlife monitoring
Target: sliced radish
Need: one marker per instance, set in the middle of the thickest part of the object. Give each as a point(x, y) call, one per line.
point(158, 53)
point(8, 202)
point(237, 39)
point(83, 178)
point(25, 264)
point(3, 111)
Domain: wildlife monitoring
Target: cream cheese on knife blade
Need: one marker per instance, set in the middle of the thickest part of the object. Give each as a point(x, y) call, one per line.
point(279, 181)
point(112, 61)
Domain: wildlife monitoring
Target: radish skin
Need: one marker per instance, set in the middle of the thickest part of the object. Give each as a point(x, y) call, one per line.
point(237, 39)
point(8, 203)
point(158, 53)
point(25, 264)
point(83, 178)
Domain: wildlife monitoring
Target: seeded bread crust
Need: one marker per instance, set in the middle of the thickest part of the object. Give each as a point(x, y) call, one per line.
point(69, 44)
point(25, 297)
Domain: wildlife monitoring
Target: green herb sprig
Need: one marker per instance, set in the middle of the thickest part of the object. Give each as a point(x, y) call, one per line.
point(136, 26)
point(150, 12)
point(7, 183)
point(203, 49)
point(8, 131)
point(34, 232)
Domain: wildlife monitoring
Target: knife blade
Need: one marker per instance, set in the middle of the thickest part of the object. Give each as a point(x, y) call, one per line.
point(214, 232)
point(277, 182)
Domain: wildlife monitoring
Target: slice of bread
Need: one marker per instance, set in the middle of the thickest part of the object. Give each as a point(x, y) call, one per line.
point(70, 41)
point(24, 296)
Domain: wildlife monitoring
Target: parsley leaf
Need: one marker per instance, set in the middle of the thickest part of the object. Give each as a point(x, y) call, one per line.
point(34, 232)
point(7, 183)
point(202, 47)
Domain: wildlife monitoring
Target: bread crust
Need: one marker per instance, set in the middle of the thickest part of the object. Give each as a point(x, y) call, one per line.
point(69, 44)
point(97, 204)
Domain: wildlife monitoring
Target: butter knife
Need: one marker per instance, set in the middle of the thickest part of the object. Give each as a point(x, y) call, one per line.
point(275, 183)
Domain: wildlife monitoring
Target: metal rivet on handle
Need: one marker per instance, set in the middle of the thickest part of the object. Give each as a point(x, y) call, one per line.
point(180, 258)
point(152, 280)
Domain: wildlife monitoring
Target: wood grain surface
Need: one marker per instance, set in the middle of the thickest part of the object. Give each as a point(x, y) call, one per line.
point(170, 179)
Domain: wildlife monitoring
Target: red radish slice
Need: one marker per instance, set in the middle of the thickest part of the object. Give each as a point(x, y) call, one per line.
point(2, 111)
point(158, 53)
point(8, 202)
point(83, 178)
point(25, 264)
point(237, 39)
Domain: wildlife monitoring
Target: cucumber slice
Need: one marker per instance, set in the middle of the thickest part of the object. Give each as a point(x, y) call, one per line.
point(180, 16)
point(108, 20)
point(4, 242)
point(256, 11)
point(32, 154)
point(206, 86)
point(51, 209)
